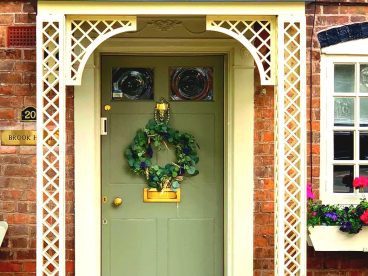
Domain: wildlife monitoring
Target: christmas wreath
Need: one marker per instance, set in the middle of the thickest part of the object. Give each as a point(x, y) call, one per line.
point(157, 135)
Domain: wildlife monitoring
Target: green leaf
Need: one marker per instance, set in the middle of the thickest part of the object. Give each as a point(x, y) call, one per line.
point(131, 162)
point(191, 170)
point(175, 185)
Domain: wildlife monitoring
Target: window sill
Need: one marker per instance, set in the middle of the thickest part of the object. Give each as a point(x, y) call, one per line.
point(330, 238)
point(3, 229)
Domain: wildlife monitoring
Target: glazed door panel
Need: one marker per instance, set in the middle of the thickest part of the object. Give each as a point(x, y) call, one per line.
point(163, 239)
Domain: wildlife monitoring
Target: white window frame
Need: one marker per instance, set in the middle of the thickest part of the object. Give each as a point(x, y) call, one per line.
point(348, 52)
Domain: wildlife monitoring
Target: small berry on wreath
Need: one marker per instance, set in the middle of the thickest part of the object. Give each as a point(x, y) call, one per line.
point(154, 136)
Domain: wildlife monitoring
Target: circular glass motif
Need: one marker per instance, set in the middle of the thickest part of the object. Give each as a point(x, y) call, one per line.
point(133, 84)
point(191, 84)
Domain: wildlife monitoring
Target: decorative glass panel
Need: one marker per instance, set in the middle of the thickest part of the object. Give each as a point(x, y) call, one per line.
point(194, 83)
point(364, 78)
point(132, 83)
point(344, 145)
point(344, 111)
point(363, 146)
point(344, 78)
point(343, 179)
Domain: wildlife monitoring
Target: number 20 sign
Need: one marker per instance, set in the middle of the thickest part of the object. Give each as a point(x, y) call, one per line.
point(29, 114)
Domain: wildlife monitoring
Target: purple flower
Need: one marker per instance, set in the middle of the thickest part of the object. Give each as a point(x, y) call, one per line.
point(165, 135)
point(143, 165)
point(181, 171)
point(310, 194)
point(345, 226)
point(331, 215)
point(149, 151)
point(186, 150)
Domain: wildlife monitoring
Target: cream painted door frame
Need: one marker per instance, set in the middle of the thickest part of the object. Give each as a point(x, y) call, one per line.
point(238, 128)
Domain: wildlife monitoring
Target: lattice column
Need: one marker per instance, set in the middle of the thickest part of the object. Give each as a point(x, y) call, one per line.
point(290, 256)
point(257, 34)
point(50, 146)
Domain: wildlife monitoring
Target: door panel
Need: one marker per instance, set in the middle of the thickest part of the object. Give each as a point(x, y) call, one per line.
point(191, 247)
point(141, 249)
point(163, 239)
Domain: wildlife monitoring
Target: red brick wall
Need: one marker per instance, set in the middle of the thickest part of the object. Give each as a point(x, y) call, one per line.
point(263, 180)
point(328, 15)
point(18, 164)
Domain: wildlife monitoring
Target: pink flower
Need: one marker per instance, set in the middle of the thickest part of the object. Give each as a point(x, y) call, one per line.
point(360, 182)
point(364, 217)
point(310, 194)
point(314, 214)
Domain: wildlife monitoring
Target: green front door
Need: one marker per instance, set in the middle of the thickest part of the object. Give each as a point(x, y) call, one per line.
point(162, 239)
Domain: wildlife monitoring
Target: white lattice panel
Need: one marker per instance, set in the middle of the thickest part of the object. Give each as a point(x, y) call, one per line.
point(256, 34)
point(50, 147)
point(290, 154)
point(85, 33)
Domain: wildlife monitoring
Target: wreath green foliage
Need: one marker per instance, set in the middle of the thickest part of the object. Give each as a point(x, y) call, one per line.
point(156, 136)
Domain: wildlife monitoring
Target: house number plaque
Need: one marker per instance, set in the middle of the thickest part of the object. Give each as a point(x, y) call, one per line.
point(29, 114)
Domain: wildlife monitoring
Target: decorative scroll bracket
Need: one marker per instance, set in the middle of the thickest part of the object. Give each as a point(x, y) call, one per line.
point(257, 35)
point(85, 33)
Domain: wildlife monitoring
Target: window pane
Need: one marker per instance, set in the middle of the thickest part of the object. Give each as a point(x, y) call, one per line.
point(363, 170)
point(364, 78)
point(344, 78)
point(343, 179)
point(344, 111)
point(363, 111)
point(363, 146)
point(344, 145)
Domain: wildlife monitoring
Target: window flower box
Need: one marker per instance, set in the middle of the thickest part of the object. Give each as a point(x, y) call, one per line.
point(3, 229)
point(330, 238)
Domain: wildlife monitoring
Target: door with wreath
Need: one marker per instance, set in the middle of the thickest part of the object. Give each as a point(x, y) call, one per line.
point(162, 239)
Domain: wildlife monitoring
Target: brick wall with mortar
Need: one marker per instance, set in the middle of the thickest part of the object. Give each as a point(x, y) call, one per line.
point(263, 180)
point(327, 15)
point(18, 164)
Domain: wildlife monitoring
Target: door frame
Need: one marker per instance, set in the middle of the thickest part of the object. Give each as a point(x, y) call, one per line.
point(238, 143)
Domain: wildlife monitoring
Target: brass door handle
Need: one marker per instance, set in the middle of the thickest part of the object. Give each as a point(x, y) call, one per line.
point(117, 201)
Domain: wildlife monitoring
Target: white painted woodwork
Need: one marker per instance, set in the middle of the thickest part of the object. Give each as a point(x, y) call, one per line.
point(255, 33)
point(238, 197)
point(3, 229)
point(53, 72)
point(330, 238)
point(327, 121)
point(290, 161)
point(50, 156)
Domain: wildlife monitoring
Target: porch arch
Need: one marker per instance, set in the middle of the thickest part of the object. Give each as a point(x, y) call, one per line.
point(54, 72)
